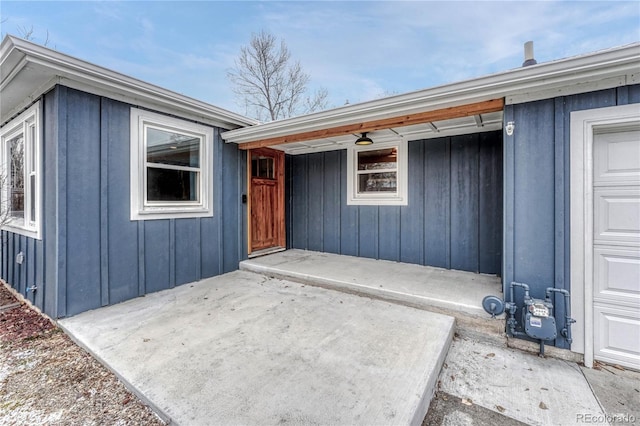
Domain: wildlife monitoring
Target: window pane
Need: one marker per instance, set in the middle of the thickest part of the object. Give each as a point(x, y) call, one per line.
point(377, 182)
point(32, 198)
point(32, 148)
point(166, 147)
point(262, 167)
point(172, 185)
point(378, 159)
point(16, 177)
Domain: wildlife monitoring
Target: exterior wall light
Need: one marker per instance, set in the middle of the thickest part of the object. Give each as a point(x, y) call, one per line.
point(509, 128)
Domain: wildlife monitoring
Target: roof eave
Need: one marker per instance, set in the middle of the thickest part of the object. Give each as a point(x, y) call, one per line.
point(17, 54)
point(615, 64)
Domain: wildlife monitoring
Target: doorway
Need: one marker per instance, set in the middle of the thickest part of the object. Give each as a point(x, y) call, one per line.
point(265, 201)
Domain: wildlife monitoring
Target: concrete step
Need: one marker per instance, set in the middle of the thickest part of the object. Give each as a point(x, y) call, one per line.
point(454, 293)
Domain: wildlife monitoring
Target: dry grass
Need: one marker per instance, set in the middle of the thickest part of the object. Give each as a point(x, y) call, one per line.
point(47, 379)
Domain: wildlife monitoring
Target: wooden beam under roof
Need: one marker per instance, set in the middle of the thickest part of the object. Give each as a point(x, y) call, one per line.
point(449, 113)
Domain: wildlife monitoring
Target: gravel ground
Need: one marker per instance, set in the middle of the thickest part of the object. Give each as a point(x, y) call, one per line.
point(47, 379)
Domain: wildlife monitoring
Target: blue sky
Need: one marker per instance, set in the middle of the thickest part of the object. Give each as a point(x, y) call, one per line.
point(357, 50)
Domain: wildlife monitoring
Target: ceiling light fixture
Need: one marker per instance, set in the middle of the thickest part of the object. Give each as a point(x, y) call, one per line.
point(364, 140)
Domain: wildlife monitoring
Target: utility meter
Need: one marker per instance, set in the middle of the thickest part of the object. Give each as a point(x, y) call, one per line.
point(538, 320)
point(537, 314)
point(538, 309)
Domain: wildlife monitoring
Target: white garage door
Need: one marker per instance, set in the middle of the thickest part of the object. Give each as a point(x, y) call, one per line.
point(616, 247)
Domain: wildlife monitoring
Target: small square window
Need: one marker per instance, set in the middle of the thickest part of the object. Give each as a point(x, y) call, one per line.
point(377, 174)
point(262, 167)
point(171, 162)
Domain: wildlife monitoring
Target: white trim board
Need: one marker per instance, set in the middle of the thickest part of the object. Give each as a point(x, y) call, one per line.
point(583, 125)
point(398, 198)
point(141, 208)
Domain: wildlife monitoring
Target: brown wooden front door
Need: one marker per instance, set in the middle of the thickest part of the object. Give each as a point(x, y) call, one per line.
point(266, 199)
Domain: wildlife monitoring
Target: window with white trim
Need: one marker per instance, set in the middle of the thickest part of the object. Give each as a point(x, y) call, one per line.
point(377, 174)
point(171, 161)
point(20, 173)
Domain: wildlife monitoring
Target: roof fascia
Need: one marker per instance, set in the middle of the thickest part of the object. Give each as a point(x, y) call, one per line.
point(616, 64)
point(92, 78)
point(466, 110)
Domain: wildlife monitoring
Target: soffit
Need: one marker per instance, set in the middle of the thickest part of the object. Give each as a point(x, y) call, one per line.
point(28, 70)
point(390, 127)
point(23, 90)
point(428, 130)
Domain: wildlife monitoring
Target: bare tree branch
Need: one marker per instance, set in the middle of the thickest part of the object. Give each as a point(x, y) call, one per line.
point(268, 84)
point(12, 182)
point(25, 33)
point(5, 215)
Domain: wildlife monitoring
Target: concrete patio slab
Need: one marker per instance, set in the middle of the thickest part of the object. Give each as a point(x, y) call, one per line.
point(242, 348)
point(519, 385)
point(450, 292)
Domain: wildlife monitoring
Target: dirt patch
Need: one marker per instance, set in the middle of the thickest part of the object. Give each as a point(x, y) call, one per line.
point(45, 378)
point(6, 298)
point(446, 409)
point(22, 322)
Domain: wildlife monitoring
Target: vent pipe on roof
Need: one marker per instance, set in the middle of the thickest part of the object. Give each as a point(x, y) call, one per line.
point(528, 55)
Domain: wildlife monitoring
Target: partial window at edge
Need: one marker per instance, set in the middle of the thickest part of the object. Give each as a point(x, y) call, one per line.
point(19, 177)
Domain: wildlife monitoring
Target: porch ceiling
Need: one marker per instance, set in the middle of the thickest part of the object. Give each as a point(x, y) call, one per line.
point(428, 130)
point(454, 120)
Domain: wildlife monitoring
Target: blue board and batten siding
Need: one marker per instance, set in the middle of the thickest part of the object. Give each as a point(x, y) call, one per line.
point(453, 218)
point(537, 195)
point(32, 269)
point(92, 254)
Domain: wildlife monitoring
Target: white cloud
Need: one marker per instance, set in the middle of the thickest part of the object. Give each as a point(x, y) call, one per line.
point(107, 10)
point(349, 45)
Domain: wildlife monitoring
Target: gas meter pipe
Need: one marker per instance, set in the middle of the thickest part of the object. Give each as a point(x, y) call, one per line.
point(512, 306)
point(566, 331)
